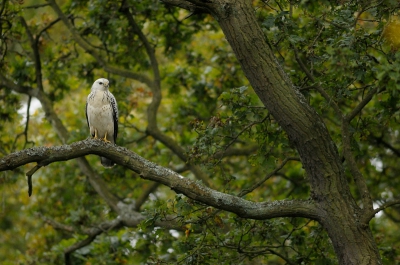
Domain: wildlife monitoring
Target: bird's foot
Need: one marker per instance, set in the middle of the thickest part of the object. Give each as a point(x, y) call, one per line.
point(105, 139)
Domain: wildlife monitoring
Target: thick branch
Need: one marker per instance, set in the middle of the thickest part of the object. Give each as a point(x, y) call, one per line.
point(154, 172)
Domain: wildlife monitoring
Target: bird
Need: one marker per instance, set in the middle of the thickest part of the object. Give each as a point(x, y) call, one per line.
point(102, 115)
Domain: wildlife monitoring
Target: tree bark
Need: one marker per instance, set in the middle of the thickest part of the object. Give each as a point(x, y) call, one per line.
point(337, 210)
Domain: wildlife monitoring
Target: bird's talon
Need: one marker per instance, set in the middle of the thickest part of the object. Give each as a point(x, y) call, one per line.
point(105, 139)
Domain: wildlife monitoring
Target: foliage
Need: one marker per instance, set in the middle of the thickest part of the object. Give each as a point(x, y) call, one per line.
point(209, 110)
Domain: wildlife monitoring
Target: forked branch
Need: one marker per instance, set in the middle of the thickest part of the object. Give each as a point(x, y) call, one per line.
point(385, 205)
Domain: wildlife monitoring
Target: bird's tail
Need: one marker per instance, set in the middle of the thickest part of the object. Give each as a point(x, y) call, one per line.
point(106, 162)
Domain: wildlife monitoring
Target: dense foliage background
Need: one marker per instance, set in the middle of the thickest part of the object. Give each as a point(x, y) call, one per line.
point(185, 104)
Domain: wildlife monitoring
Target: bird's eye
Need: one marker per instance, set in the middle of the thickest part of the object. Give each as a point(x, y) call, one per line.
point(100, 83)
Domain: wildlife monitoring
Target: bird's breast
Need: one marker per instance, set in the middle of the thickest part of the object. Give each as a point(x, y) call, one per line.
point(98, 99)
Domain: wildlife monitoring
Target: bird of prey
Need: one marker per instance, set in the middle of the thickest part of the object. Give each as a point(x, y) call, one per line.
point(102, 115)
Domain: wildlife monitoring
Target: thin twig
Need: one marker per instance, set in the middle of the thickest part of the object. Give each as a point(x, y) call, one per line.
point(385, 205)
point(27, 121)
point(56, 225)
point(84, 44)
point(145, 194)
point(25, 132)
point(311, 76)
point(45, 29)
point(317, 86)
point(361, 105)
point(36, 6)
point(36, 55)
point(380, 141)
point(234, 139)
point(269, 175)
point(29, 174)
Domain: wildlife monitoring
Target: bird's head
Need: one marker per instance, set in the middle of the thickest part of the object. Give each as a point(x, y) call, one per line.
point(100, 84)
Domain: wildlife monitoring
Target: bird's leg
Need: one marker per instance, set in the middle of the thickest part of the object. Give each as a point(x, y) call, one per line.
point(105, 138)
point(95, 134)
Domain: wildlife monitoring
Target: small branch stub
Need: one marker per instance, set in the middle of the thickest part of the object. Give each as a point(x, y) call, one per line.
point(29, 174)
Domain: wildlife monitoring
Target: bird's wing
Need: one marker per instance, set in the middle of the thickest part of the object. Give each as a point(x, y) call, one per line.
point(87, 119)
point(114, 107)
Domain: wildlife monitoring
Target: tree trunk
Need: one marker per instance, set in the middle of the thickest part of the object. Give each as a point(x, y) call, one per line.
point(339, 213)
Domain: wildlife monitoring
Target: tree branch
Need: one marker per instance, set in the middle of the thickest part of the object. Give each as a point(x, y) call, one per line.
point(349, 117)
point(272, 173)
point(311, 77)
point(57, 225)
point(355, 172)
point(45, 29)
point(379, 141)
point(133, 219)
point(145, 194)
point(92, 233)
point(35, 6)
point(154, 172)
point(25, 132)
point(29, 175)
point(47, 105)
point(89, 49)
point(36, 55)
point(385, 205)
point(348, 154)
point(231, 151)
point(188, 5)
